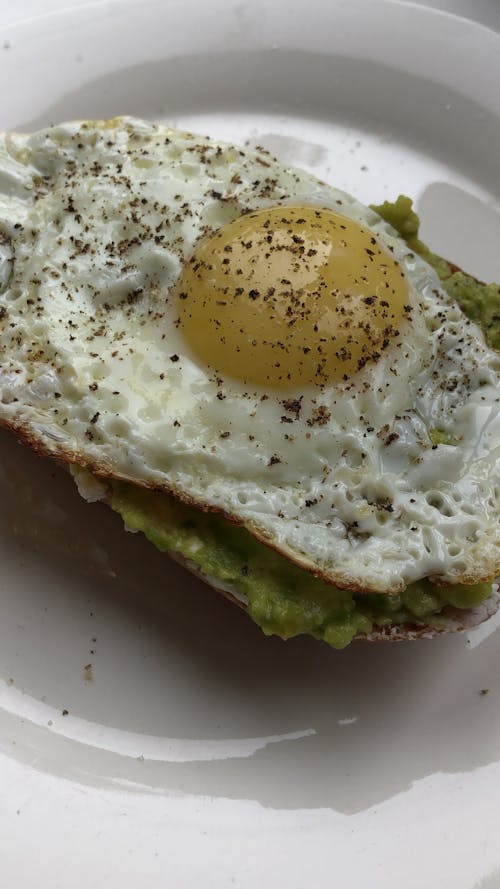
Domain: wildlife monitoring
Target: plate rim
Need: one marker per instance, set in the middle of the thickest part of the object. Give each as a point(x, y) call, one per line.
point(52, 840)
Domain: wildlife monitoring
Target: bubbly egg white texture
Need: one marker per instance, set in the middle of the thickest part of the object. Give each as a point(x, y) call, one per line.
point(113, 330)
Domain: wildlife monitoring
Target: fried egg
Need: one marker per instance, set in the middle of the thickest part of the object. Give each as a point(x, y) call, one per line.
point(198, 318)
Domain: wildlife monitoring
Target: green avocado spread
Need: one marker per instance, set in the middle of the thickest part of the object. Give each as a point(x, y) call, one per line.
point(282, 598)
point(480, 302)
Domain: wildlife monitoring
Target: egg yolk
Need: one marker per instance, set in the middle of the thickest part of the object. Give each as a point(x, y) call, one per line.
point(290, 296)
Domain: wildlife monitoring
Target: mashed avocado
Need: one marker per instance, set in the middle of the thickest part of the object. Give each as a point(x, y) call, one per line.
point(480, 302)
point(282, 598)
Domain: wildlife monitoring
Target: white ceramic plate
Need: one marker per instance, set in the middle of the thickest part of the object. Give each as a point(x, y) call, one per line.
point(195, 752)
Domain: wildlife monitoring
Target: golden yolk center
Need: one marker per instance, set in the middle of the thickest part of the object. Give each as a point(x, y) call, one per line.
point(291, 296)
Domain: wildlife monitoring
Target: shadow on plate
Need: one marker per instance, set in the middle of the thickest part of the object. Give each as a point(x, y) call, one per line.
point(173, 660)
point(450, 218)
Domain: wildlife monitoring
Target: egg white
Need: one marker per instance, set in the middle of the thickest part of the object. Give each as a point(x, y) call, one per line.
point(98, 219)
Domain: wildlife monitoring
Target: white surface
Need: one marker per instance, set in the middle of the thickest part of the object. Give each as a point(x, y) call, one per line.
point(200, 753)
point(487, 12)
